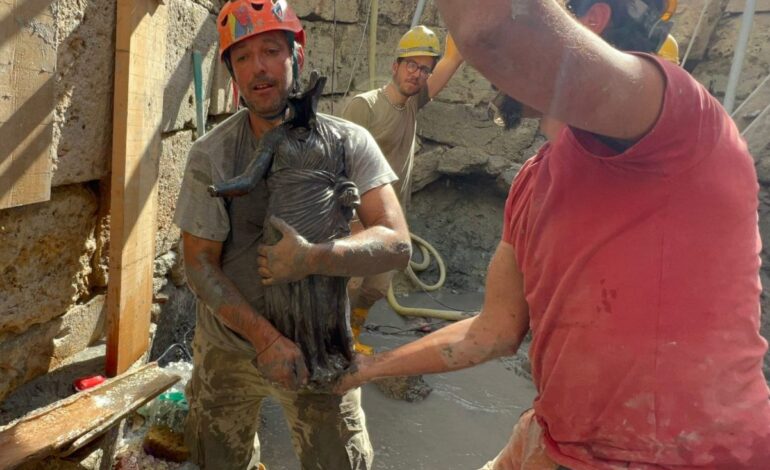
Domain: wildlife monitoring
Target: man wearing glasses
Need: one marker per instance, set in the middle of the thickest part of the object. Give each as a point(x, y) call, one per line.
point(390, 115)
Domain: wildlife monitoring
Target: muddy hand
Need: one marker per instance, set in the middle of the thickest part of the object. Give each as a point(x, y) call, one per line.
point(286, 261)
point(353, 377)
point(283, 364)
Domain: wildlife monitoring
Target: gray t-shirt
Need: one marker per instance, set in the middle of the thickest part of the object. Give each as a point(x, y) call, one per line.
point(223, 153)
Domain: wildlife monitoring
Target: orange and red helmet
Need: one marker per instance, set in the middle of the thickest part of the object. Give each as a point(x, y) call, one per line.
point(242, 19)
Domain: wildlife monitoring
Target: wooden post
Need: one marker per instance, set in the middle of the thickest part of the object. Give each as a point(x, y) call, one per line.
point(27, 67)
point(138, 109)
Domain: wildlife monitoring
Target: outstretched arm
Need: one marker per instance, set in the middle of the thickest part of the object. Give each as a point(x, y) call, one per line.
point(497, 331)
point(445, 68)
point(384, 245)
point(536, 53)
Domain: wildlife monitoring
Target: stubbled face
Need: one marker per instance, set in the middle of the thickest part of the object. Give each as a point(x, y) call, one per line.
point(411, 83)
point(262, 69)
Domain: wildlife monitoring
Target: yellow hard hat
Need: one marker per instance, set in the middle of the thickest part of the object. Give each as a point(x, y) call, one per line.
point(670, 50)
point(419, 41)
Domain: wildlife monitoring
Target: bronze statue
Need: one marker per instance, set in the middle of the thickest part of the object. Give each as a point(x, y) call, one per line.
point(303, 161)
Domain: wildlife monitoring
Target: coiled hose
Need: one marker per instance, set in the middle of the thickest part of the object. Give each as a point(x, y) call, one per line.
point(427, 251)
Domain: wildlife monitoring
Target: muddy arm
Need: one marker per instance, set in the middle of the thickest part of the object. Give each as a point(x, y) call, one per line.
point(497, 331)
point(279, 359)
point(384, 245)
point(553, 64)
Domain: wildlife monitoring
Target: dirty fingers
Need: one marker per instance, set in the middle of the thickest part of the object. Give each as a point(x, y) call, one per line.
point(287, 260)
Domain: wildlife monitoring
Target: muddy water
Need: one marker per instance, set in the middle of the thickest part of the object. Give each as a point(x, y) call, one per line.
point(463, 423)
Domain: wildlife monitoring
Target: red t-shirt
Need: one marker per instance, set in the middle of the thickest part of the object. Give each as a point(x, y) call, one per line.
point(641, 271)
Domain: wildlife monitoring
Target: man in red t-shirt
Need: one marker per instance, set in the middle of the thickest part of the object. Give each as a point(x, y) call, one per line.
point(630, 249)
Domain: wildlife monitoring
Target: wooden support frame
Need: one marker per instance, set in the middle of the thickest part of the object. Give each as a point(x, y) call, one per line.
point(73, 422)
point(138, 109)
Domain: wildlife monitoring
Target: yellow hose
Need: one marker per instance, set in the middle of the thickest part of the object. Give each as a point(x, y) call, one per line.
point(427, 250)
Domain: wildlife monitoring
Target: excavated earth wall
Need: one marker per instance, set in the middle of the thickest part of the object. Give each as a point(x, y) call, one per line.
point(53, 264)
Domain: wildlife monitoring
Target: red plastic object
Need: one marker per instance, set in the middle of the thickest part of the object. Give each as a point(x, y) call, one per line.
point(87, 382)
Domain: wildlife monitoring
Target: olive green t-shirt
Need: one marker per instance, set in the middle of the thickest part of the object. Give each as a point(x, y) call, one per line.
point(394, 128)
point(237, 222)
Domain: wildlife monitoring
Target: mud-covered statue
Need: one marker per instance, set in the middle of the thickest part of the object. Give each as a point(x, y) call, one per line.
point(303, 161)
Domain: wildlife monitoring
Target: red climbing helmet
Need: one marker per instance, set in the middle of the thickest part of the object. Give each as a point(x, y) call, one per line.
point(242, 19)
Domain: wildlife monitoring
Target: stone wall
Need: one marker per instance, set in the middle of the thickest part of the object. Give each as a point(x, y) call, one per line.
point(53, 265)
point(54, 261)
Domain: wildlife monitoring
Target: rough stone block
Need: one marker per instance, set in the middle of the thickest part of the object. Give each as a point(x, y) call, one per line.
point(79, 328)
point(172, 163)
point(319, 54)
point(714, 71)
point(45, 346)
point(400, 12)
point(467, 126)
point(45, 260)
point(425, 169)
point(462, 161)
point(467, 86)
point(191, 27)
point(85, 69)
point(221, 99)
point(462, 218)
point(213, 6)
point(686, 18)
point(347, 11)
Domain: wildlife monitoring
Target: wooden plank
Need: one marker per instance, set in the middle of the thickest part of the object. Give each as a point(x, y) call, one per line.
point(737, 6)
point(74, 421)
point(27, 101)
point(138, 107)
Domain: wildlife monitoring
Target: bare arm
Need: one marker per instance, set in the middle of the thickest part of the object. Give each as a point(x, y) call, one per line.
point(536, 53)
point(497, 331)
point(445, 68)
point(278, 358)
point(383, 246)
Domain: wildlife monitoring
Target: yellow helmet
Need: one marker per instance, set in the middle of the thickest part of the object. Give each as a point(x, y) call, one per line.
point(419, 41)
point(670, 50)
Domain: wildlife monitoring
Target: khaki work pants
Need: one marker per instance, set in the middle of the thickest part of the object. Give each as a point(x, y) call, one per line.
point(225, 393)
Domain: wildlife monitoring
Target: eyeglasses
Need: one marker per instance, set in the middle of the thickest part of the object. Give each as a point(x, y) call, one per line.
point(412, 67)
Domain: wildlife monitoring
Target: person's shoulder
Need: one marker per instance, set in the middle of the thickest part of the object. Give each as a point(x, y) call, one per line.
point(218, 138)
point(368, 98)
point(347, 127)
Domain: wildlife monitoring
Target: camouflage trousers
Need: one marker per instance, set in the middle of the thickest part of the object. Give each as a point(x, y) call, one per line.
point(225, 393)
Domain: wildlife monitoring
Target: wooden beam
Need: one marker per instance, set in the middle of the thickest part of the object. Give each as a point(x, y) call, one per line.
point(76, 420)
point(27, 67)
point(138, 108)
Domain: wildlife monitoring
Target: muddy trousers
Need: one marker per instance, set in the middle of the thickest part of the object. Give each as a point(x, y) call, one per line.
point(225, 393)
